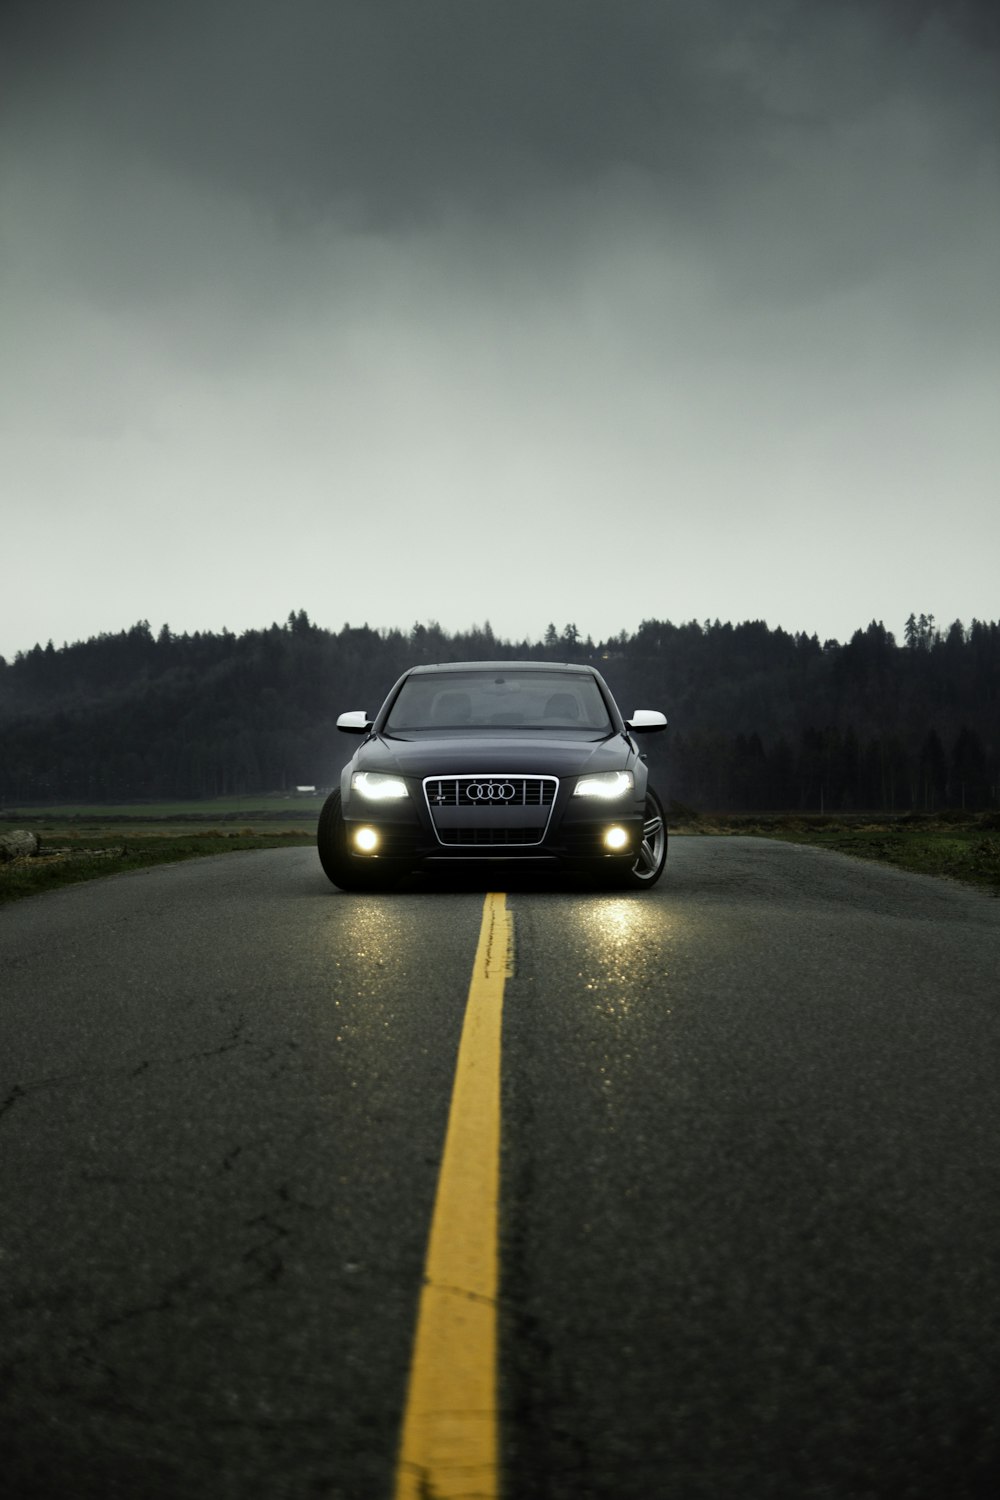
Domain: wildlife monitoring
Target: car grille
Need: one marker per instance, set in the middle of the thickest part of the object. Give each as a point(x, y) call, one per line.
point(490, 791)
point(490, 810)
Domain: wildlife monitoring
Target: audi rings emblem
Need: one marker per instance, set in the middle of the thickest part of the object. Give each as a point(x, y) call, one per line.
point(490, 791)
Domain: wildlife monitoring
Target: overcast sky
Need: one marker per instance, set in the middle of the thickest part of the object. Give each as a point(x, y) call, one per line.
point(528, 310)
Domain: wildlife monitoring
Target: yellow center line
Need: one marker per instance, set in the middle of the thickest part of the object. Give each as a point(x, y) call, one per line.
point(448, 1447)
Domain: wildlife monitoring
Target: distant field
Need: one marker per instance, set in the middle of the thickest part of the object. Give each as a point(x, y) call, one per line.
point(266, 804)
point(275, 812)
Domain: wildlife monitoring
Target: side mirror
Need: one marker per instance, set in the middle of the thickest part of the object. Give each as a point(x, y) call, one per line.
point(355, 722)
point(646, 719)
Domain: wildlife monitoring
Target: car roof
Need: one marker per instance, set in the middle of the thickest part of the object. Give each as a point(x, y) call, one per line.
point(502, 666)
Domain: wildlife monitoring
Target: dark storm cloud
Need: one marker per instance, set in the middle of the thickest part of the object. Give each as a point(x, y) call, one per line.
point(386, 113)
point(730, 264)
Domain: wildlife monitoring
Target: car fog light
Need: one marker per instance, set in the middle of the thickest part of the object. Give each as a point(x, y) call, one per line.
point(615, 838)
point(366, 839)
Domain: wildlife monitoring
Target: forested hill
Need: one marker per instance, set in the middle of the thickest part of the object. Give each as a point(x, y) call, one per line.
point(760, 719)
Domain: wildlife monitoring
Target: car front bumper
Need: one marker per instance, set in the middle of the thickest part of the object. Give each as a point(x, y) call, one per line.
point(568, 830)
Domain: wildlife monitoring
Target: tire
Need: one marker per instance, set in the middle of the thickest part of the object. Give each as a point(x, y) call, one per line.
point(338, 865)
point(649, 864)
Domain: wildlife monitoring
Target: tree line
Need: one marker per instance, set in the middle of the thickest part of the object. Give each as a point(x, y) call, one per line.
point(760, 719)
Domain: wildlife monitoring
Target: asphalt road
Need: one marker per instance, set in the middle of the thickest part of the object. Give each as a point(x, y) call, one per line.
point(750, 1197)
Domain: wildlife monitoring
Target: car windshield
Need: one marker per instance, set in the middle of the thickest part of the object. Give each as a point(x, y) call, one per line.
point(499, 700)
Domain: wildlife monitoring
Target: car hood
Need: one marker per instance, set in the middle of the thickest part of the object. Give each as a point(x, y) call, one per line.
point(494, 754)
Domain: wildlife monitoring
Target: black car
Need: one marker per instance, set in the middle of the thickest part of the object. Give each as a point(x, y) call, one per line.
point(523, 762)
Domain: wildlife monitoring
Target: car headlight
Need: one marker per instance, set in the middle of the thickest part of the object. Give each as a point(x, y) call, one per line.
point(375, 787)
point(608, 785)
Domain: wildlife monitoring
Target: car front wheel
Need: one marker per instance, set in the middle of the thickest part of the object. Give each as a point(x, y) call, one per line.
point(648, 865)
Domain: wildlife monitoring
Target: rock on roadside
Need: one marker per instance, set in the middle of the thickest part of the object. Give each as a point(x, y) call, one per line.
point(18, 845)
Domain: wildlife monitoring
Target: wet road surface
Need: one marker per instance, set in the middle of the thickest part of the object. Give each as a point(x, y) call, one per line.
point(749, 1205)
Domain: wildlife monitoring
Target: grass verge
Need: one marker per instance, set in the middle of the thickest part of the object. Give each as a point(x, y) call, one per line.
point(68, 859)
point(965, 848)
